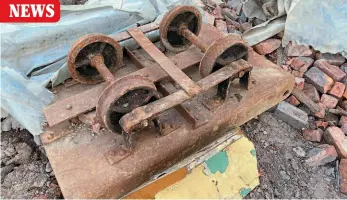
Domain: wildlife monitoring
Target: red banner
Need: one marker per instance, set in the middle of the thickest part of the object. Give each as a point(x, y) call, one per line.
point(44, 11)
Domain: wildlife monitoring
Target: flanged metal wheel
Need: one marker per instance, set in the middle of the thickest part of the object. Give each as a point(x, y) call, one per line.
point(223, 51)
point(84, 49)
point(123, 96)
point(171, 22)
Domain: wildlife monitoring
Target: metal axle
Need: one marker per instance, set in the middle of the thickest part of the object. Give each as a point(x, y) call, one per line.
point(185, 32)
point(97, 61)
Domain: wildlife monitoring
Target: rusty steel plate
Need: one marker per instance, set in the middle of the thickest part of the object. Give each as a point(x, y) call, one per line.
point(121, 97)
point(226, 49)
point(84, 49)
point(82, 162)
point(169, 27)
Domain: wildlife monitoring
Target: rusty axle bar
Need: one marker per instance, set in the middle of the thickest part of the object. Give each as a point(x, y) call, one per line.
point(97, 61)
point(134, 119)
point(185, 32)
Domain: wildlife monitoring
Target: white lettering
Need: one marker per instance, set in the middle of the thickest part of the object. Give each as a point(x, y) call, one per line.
point(37, 9)
point(25, 10)
point(49, 9)
point(14, 10)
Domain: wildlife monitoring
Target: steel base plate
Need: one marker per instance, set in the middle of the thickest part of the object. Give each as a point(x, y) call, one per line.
point(83, 162)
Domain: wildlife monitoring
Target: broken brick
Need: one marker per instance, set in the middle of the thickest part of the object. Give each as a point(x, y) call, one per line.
point(321, 155)
point(245, 26)
point(313, 135)
point(299, 83)
point(321, 124)
point(267, 46)
point(311, 92)
point(331, 70)
point(321, 113)
point(333, 135)
point(319, 79)
point(293, 100)
point(343, 123)
point(333, 59)
point(221, 25)
point(291, 115)
point(344, 67)
point(343, 104)
point(217, 13)
point(297, 74)
point(329, 101)
point(343, 175)
point(297, 50)
point(301, 63)
point(345, 93)
point(337, 90)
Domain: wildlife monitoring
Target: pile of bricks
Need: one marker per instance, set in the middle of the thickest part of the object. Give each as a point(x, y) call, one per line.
point(321, 79)
point(228, 19)
point(318, 104)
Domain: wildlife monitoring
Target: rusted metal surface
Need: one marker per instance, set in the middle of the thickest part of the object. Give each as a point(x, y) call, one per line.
point(185, 32)
point(165, 63)
point(170, 25)
point(230, 48)
point(87, 100)
point(98, 62)
point(189, 110)
point(122, 96)
point(81, 52)
point(132, 120)
point(83, 171)
point(120, 37)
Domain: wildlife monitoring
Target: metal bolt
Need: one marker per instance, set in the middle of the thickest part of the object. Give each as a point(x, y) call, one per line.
point(68, 107)
point(241, 74)
point(144, 123)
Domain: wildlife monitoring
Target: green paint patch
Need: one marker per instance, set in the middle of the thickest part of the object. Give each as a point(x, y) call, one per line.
point(218, 162)
point(245, 191)
point(253, 153)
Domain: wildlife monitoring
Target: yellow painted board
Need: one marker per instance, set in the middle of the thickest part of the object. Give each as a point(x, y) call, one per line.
point(231, 173)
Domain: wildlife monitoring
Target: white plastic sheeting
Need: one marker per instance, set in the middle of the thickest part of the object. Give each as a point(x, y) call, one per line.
point(319, 23)
point(39, 51)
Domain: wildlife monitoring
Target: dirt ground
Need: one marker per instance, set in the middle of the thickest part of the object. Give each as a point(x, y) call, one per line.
point(281, 151)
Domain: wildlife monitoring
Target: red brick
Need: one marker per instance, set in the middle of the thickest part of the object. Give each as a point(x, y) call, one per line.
point(345, 93)
point(321, 155)
point(221, 25)
point(289, 61)
point(337, 90)
point(319, 79)
point(333, 59)
point(299, 83)
point(217, 13)
point(297, 50)
point(321, 124)
point(311, 92)
point(333, 135)
point(321, 113)
point(343, 123)
point(343, 175)
point(343, 104)
point(329, 101)
point(313, 135)
point(297, 74)
point(331, 70)
point(293, 100)
point(301, 63)
point(267, 46)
